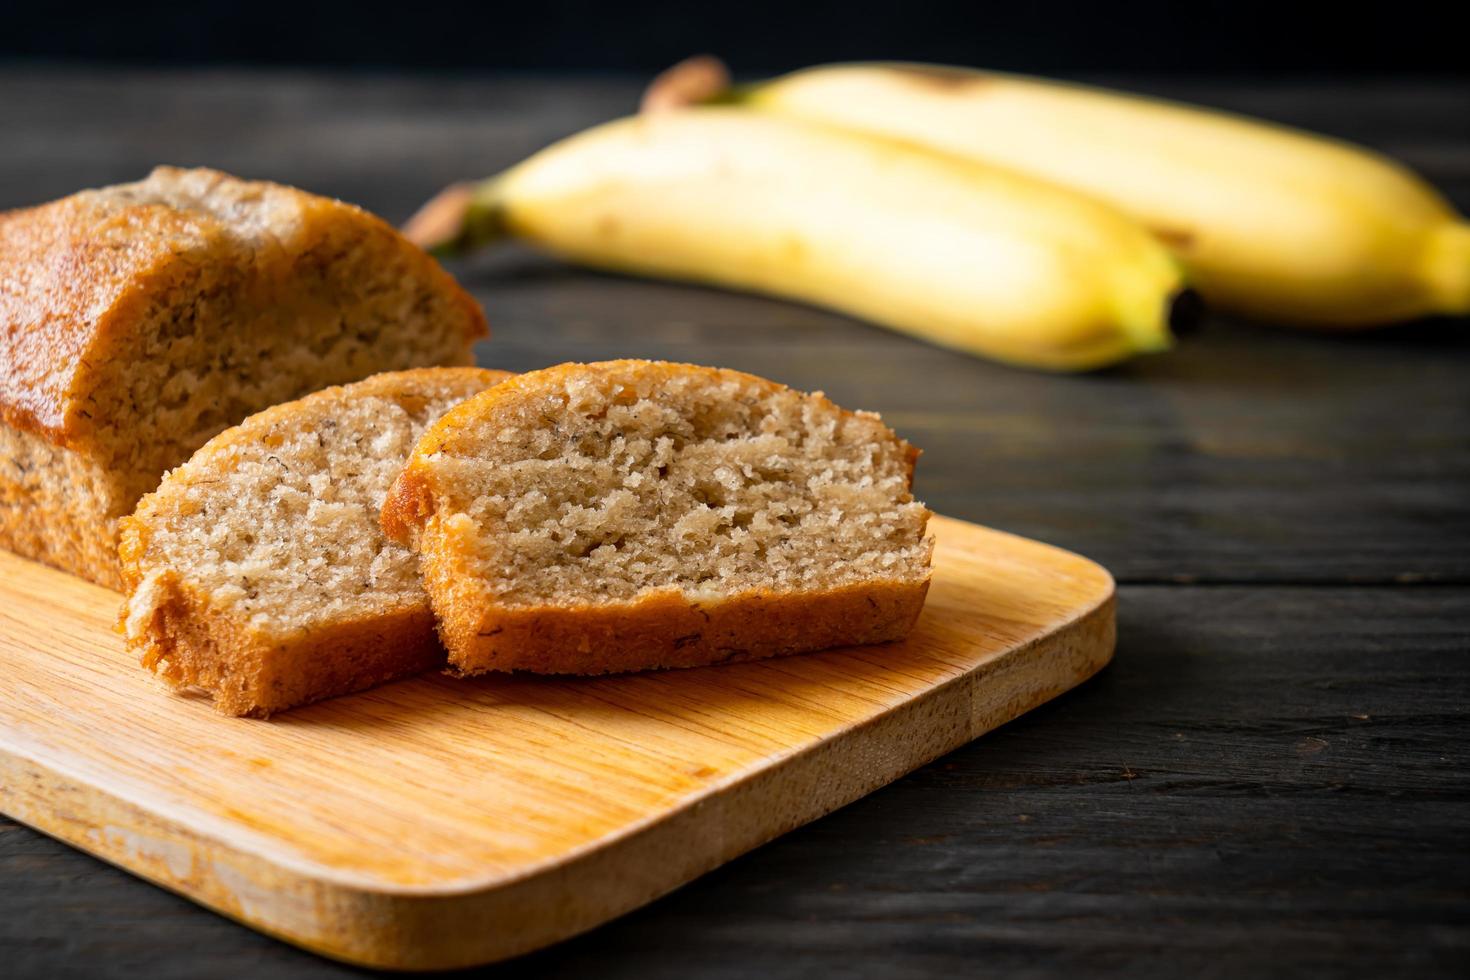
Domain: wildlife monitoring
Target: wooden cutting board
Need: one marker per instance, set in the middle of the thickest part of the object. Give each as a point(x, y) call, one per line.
point(438, 822)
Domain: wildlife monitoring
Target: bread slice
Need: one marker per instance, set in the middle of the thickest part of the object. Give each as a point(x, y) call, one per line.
point(257, 570)
point(633, 514)
point(139, 320)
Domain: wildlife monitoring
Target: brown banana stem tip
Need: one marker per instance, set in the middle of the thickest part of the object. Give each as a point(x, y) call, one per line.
point(690, 82)
point(440, 223)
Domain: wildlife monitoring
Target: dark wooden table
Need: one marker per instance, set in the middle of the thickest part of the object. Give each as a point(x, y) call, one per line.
point(1270, 780)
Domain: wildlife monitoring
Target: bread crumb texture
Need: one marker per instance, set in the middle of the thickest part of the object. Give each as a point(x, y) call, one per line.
point(139, 320)
point(608, 516)
point(258, 571)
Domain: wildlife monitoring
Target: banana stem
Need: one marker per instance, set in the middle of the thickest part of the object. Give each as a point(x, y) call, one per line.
point(460, 218)
point(466, 216)
point(699, 80)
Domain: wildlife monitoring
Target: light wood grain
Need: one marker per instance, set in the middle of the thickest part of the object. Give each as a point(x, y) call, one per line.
point(440, 822)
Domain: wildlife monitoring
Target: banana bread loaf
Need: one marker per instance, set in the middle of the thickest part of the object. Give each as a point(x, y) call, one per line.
point(632, 514)
point(139, 320)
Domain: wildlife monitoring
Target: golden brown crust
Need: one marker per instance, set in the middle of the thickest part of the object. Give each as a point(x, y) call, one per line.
point(184, 638)
point(654, 631)
point(665, 630)
point(66, 271)
point(76, 273)
point(193, 645)
point(407, 507)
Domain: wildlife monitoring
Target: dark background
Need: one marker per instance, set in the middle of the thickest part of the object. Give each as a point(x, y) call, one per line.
point(1205, 36)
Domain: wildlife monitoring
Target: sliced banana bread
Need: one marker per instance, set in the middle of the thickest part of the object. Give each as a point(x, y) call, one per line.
point(632, 514)
point(139, 320)
point(257, 571)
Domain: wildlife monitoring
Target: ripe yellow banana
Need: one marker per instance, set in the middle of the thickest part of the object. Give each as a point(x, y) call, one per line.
point(954, 252)
point(1268, 221)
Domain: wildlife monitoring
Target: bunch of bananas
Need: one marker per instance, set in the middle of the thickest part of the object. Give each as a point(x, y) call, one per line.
point(1043, 224)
